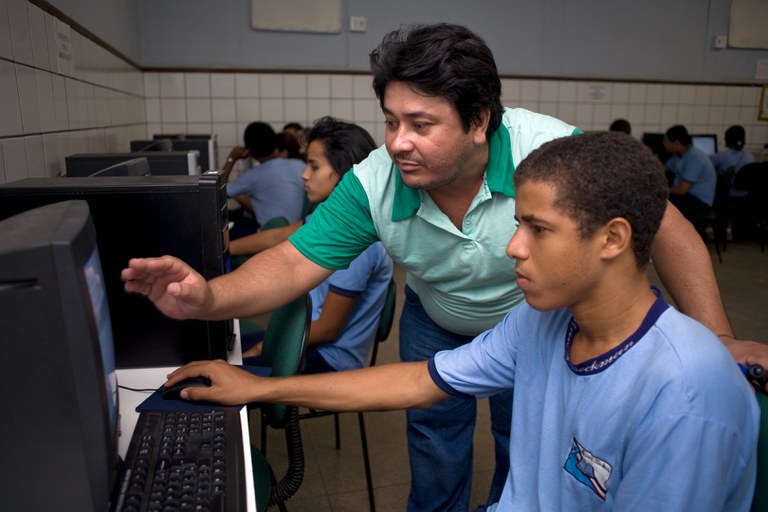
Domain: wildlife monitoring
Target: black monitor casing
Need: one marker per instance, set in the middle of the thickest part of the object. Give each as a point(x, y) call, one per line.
point(185, 216)
point(59, 450)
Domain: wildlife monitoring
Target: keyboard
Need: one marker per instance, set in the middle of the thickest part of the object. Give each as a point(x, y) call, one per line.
point(184, 460)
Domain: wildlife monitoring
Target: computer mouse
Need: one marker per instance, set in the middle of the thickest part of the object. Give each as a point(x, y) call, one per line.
point(174, 392)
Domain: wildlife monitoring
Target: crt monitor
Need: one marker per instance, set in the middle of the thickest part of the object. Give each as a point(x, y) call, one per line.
point(207, 147)
point(133, 167)
point(161, 163)
point(137, 216)
point(705, 142)
point(140, 145)
point(60, 411)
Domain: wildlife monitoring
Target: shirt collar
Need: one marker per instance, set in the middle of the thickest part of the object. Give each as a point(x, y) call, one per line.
point(498, 176)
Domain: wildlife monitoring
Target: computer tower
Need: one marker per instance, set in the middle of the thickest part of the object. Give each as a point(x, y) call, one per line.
point(143, 216)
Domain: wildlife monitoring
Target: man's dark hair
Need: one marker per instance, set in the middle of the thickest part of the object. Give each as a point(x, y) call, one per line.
point(735, 137)
point(260, 139)
point(345, 144)
point(679, 133)
point(600, 176)
point(442, 60)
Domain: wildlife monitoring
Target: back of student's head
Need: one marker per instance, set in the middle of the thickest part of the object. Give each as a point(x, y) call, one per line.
point(600, 176)
point(288, 145)
point(679, 133)
point(442, 60)
point(621, 125)
point(345, 144)
point(260, 139)
point(735, 137)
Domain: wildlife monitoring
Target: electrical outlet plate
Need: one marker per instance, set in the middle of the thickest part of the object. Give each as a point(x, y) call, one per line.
point(720, 42)
point(357, 23)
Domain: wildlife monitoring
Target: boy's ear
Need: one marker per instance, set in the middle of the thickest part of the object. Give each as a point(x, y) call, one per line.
point(618, 237)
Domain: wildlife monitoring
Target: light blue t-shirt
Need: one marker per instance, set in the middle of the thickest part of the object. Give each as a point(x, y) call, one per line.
point(367, 279)
point(696, 168)
point(730, 161)
point(275, 188)
point(665, 421)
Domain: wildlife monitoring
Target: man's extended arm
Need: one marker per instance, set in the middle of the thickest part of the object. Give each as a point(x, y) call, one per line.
point(265, 282)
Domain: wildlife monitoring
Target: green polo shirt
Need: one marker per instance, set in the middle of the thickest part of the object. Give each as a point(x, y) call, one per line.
point(463, 277)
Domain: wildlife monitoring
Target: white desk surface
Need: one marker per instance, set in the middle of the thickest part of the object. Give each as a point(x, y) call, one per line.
point(153, 378)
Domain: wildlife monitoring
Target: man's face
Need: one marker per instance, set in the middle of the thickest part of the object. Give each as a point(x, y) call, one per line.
point(425, 138)
point(555, 267)
point(672, 147)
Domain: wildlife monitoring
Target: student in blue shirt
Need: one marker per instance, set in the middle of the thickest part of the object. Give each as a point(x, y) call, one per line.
point(346, 306)
point(695, 179)
point(620, 402)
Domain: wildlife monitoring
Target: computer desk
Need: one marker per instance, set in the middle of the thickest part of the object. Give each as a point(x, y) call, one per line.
point(153, 378)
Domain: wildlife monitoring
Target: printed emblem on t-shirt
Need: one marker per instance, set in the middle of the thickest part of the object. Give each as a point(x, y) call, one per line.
point(588, 469)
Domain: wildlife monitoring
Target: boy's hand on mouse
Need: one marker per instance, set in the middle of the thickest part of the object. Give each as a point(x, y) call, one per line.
point(229, 385)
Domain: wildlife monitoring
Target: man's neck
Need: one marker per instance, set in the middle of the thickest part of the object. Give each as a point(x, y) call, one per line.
point(608, 318)
point(455, 198)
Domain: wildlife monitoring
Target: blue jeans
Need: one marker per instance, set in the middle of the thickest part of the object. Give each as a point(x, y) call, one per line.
point(440, 438)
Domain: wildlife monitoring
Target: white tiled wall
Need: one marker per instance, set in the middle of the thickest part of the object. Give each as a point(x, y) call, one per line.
point(224, 104)
point(46, 115)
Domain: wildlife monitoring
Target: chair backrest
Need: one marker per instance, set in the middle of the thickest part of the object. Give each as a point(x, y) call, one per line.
point(275, 222)
point(285, 347)
point(385, 319)
point(760, 500)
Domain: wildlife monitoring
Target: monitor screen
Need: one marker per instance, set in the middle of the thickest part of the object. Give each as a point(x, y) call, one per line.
point(705, 142)
point(58, 358)
point(97, 292)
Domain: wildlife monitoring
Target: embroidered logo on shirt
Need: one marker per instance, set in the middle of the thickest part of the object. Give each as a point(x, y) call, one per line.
point(588, 469)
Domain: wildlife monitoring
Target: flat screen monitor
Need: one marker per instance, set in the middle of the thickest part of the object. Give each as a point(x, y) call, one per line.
point(161, 163)
point(705, 142)
point(60, 413)
point(142, 216)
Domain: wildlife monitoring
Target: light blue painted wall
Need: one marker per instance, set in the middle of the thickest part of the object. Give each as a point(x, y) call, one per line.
point(114, 21)
point(593, 39)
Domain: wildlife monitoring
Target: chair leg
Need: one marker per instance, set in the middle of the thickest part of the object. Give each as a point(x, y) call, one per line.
point(336, 426)
point(263, 446)
point(366, 461)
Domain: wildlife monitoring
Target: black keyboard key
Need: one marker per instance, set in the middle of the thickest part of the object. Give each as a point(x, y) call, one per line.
point(184, 461)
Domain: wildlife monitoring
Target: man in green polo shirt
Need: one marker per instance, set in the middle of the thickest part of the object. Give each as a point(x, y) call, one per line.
point(439, 195)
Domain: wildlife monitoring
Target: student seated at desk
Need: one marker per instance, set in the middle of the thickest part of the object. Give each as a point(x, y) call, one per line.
point(620, 401)
point(270, 189)
point(346, 306)
point(694, 181)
